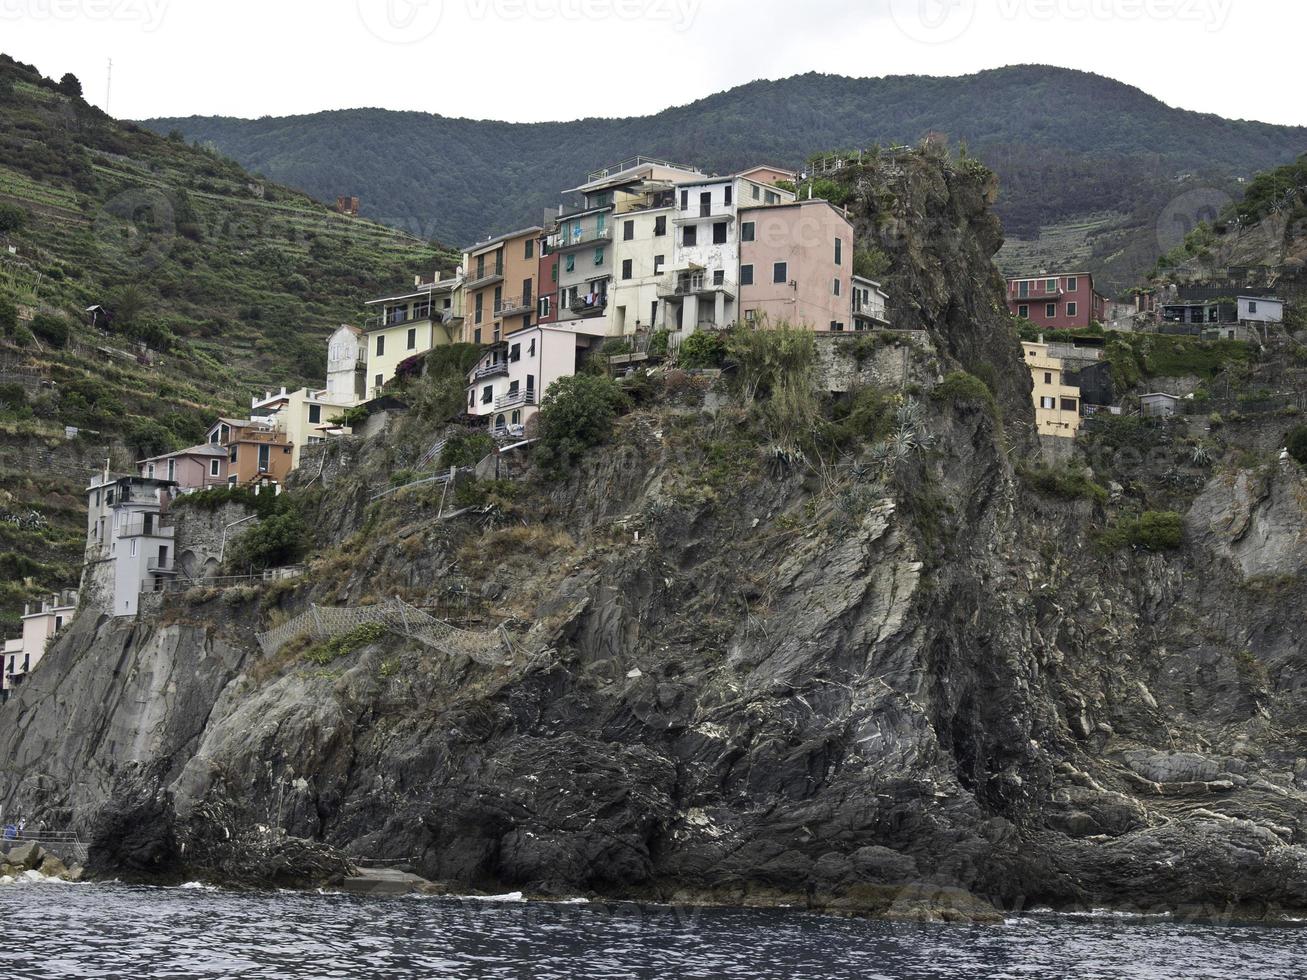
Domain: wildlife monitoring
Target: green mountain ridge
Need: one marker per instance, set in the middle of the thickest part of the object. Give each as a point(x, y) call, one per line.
point(1065, 144)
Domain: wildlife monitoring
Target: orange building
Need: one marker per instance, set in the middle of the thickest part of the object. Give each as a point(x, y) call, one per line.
point(256, 451)
point(500, 285)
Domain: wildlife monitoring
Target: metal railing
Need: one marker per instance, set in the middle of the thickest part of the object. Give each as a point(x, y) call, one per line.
point(494, 648)
point(484, 275)
point(515, 398)
point(490, 370)
point(163, 566)
point(632, 163)
point(570, 239)
point(138, 527)
point(66, 845)
point(422, 481)
point(183, 584)
point(514, 304)
point(697, 283)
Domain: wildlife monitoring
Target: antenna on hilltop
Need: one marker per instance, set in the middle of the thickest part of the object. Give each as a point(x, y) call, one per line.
point(108, 87)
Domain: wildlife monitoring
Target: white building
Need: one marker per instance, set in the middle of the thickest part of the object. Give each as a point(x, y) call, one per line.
point(347, 365)
point(129, 545)
point(304, 416)
point(701, 289)
point(869, 307)
point(21, 655)
point(508, 382)
point(1260, 309)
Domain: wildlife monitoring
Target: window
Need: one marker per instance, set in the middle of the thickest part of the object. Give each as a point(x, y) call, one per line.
point(531, 349)
point(660, 225)
point(481, 267)
point(231, 453)
point(626, 269)
point(265, 457)
point(1023, 311)
point(515, 353)
point(133, 547)
point(516, 418)
point(412, 338)
point(628, 231)
point(530, 249)
point(757, 192)
point(658, 264)
point(1048, 377)
point(685, 200)
point(601, 222)
point(480, 308)
point(381, 346)
point(705, 204)
point(719, 233)
point(512, 387)
point(1252, 306)
point(1048, 402)
point(1070, 405)
point(746, 275)
point(487, 394)
point(689, 236)
point(570, 263)
point(746, 231)
point(1071, 309)
point(528, 289)
point(315, 414)
point(1023, 289)
point(1072, 284)
point(836, 326)
point(730, 195)
point(750, 316)
point(780, 272)
point(545, 305)
point(771, 197)
point(499, 300)
point(1050, 286)
point(172, 469)
point(836, 284)
point(476, 339)
point(213, 467)
point(149, 470)
point(839, 251)
point(599, 256)
point(719, 277)
point(531, 379)
point(1050, 310)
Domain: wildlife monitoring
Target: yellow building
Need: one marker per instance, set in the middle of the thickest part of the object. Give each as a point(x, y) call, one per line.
point(409, 324)
point(304, 416)
point(1057, 405)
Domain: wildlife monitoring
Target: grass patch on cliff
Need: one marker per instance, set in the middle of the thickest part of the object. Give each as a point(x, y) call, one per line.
point(1153, 530)
point(963, 389)
point(1067, 482)
point(343, 645)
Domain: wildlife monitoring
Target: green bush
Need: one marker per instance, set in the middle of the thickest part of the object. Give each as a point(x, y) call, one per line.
point(1067, 482)
point(13, 396)
point(12, 217)
point(50, 328)
point(575, 414)
point(702, 349)
point(466, 448)
point(658, 343)
point(1297, 443)
point(961, 388)
point(359, 637)
point(1153, 530)
point(8, 316)
point(279, 539)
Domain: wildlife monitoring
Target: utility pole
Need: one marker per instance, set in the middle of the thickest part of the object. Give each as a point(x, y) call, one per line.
point(108, 87)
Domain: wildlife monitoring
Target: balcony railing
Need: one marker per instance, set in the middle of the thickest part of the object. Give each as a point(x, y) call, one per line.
point(478, 278)
point(515, 305)
point(569, 239)
point(160, 566)
point(138, 528)
point(491, 370)
point(593, 306)
point(696, 284)
point(515, 398)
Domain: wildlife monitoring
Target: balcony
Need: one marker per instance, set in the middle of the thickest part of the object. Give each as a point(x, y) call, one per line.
point(487, 276)
point(588, 306)
point(695, 215)
point(592, 236)
point(491, 370)
point(696, 284)
point(515, 398)
point(160, 566)
point(138, 528)
point(515, 306)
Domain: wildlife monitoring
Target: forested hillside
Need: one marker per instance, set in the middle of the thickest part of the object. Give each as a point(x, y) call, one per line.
point(212, 284)
point(1064, 143)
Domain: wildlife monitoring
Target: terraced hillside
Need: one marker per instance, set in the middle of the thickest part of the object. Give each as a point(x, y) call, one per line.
point(212, 284)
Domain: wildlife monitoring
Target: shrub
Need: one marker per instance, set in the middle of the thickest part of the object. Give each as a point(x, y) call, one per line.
point(466, 448)
point(702, 349)
point(359, 637)
point(12, 396)
point(1153, 530)
point(51, 329)
point(8, 316)
point(12, 217)
point(658, 343)
point(961, 388)
point(279, 539)
point(1296, 442)
point(575, 414)
point(1068, 482)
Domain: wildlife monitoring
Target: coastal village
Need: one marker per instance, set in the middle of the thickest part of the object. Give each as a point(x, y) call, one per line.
point(640, 256)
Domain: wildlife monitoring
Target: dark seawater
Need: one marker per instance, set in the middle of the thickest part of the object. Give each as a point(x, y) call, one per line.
point(118, 932)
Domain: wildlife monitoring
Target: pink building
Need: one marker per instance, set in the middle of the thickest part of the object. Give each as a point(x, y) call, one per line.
point(506, 386)
point(796, 265)
point(196, 468)
point(22, 654)
point(1057, 301)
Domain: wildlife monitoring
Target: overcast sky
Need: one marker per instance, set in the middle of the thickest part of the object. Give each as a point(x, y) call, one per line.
point(528, 60)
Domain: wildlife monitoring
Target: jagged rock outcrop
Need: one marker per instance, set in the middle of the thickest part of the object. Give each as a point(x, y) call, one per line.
point(921, 694)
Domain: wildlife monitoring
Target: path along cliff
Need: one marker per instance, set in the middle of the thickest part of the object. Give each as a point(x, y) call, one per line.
point(885, 672)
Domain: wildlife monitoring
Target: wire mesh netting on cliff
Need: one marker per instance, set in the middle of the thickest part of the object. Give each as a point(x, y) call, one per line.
point(325, 622)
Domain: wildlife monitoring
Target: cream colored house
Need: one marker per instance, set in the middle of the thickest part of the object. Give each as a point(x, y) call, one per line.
point(408, 324)
point(347, 365)
point(304, 416)
point(1057, 405)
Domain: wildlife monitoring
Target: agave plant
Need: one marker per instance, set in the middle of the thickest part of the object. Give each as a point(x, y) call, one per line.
point(1200, 455)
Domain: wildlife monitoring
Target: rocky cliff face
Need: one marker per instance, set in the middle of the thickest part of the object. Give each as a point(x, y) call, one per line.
point(867, 688)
